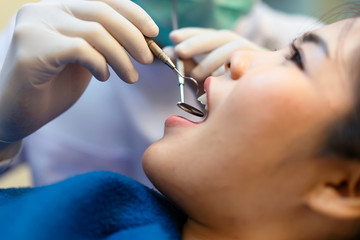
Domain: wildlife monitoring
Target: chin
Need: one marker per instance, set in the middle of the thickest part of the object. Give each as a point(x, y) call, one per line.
point(151, 161)
point(157, 167)
point(158, 163)
point(146, 158)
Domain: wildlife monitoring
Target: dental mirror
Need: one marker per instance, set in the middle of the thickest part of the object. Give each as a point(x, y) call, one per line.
point(180, 70)
point(184, 106)
point(190, 109)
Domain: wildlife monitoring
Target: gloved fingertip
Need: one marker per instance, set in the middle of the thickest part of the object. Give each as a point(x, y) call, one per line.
point(151, 29)
point(147, 58)
point(177, 49)
point(181, 51)
point(107, 76)
point(132, 78)
point(174, 36)
point(102, 77)
point(99, 77)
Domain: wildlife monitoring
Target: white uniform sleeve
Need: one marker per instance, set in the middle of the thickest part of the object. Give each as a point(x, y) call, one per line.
point(5, 39)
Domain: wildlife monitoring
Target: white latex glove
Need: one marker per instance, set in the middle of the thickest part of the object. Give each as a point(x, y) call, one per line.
point(215, 46)
point(56, 48)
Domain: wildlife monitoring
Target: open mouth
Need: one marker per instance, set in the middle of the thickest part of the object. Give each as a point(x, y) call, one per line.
point(203, 100)
point(182, 121)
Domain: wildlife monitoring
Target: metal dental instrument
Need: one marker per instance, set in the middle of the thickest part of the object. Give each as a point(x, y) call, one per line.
point(184, 106)
point(180, 66)
point(159, 53)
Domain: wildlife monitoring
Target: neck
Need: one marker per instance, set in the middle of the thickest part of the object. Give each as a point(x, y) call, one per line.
point(194, 230)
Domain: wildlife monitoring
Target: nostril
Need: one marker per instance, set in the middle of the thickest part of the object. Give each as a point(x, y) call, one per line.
point(227, 65)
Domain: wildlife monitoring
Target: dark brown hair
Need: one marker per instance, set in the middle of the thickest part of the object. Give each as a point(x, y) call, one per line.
point(344, 136)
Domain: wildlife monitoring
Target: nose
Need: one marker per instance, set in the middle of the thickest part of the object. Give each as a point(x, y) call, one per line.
point(240, 62)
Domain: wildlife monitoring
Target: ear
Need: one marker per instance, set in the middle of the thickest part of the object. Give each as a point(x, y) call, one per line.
point(338, 196)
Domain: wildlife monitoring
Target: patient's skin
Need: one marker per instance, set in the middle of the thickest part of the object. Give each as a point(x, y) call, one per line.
point(253, 169)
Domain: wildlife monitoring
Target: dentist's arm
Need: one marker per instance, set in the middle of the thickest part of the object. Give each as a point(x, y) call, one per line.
point(56, 48)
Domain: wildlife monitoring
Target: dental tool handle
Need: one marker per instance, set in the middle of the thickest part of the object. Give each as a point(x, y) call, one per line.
point(159, 53)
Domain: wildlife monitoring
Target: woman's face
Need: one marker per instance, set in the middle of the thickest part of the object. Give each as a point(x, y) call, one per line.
point(267, 120)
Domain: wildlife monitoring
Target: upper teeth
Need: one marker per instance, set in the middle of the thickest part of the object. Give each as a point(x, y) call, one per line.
point(203, 100)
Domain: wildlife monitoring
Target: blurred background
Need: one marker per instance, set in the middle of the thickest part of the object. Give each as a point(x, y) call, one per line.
point(316, 8)
point(320, 9)
point(20, 176)
point(8, 8)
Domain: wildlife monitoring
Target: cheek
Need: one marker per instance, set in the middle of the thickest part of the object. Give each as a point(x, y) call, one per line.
point(274, 99)
point(267, 109)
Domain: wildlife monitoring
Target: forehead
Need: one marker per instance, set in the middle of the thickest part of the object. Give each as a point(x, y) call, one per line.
point(349, 46)
point(343, 40)
point(341, 36)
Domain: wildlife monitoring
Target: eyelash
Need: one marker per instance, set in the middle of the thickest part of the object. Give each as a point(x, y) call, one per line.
point(295, 56)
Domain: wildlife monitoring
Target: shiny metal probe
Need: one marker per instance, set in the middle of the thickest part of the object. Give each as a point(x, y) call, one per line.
point(181, 69)
point(184, 106)
point(161, 55)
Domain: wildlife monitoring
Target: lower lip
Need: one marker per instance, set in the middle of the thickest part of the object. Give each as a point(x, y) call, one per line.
point(177, 121)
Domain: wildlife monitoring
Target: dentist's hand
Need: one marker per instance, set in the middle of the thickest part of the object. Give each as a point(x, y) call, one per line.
point(213, 45)
point(57, 46)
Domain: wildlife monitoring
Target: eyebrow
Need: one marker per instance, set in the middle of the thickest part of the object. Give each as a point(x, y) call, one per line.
point(314, 38)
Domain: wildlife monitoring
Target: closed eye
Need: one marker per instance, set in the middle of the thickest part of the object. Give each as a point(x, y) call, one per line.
point(295, 56)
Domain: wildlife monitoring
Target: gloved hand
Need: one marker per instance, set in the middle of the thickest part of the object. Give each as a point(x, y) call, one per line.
point(214, 47)
point(57, 46)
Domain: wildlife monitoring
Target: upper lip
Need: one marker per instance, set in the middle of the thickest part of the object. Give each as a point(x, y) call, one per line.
point(207, 84)
point(207, 91)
